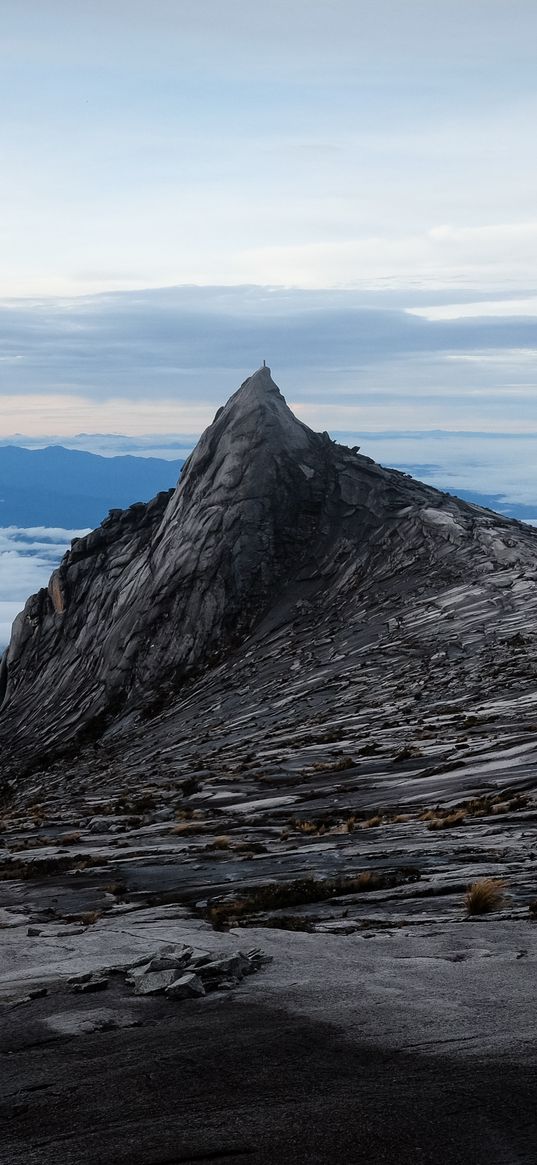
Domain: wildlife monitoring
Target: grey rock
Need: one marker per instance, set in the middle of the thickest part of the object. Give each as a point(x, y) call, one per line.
point(137, 973)
point(36, 993)
point(95, 983)
point(200, 960)
point(235, 965)
point(256, 959)
point(188, 986)
point(99, 825)
point(76, 980)
point(154, 982)
point(175, 960)
point(142, 961)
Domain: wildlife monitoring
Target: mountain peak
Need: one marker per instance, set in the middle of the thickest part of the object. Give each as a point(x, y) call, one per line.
point(258, 391)
point(268, 519)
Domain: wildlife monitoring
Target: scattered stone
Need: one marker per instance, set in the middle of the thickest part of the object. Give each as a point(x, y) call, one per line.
point(8, 919)
point(160, 972)
point(143, 960)
point(235, 965)
point(201, 960)
point(96, 983)
point(173, 960)
point(189, 986)
point(154, 982)
point(257, 959)
point(36, 993)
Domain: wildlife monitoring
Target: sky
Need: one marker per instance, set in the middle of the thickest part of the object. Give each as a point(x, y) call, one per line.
point(344, 188)
point(311, 143)
point(190, 186)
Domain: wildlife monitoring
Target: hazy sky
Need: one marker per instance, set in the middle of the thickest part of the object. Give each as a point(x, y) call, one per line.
point(384, 150)
point(306, 142)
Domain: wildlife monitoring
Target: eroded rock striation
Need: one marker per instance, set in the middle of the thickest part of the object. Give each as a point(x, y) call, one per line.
point(269, 521)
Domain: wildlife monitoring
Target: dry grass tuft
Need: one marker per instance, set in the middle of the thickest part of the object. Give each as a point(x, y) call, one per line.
point(338, 766)
point(407, 753)
point(115, 888)
point(188, 828)
point(371, 822)
point(70, 838)
point(90, 917)
point(221, 842)
point(485, 895)
point(447, 821)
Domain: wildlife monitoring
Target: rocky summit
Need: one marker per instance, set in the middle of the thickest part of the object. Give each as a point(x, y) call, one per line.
point(273, 534)
point(282, 718)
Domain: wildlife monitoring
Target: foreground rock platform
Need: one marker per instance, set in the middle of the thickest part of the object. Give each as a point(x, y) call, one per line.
point(408, 1047)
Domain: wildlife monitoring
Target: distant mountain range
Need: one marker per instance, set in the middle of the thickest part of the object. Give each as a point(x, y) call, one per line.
point(74, 489)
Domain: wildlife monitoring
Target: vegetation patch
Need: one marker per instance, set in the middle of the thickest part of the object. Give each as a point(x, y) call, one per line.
point(484, 896)
point(447, 820)
point(43, 867)
point(407, 753)
point(302, 892)
point(297, 922)
point(338, 766)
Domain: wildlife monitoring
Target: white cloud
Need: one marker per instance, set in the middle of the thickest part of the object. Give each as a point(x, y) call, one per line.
point(480, 309)
point(502, 255)
point(27, 559)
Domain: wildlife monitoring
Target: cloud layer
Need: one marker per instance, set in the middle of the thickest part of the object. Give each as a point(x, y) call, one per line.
point(164, 360)
point(27, 559)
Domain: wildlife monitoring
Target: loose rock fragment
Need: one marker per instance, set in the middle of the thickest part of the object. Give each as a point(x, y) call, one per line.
point(188, 986)
point(154, 982)
point(94, 983)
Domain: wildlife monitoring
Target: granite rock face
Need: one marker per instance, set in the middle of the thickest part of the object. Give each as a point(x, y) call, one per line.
point(269, 521)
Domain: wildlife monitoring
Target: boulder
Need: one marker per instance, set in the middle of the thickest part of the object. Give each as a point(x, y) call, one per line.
point(188, 986)
point(154, 982)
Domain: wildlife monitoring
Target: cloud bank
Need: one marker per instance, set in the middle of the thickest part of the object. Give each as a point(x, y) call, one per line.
point(27, 559)
point(164, 360)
